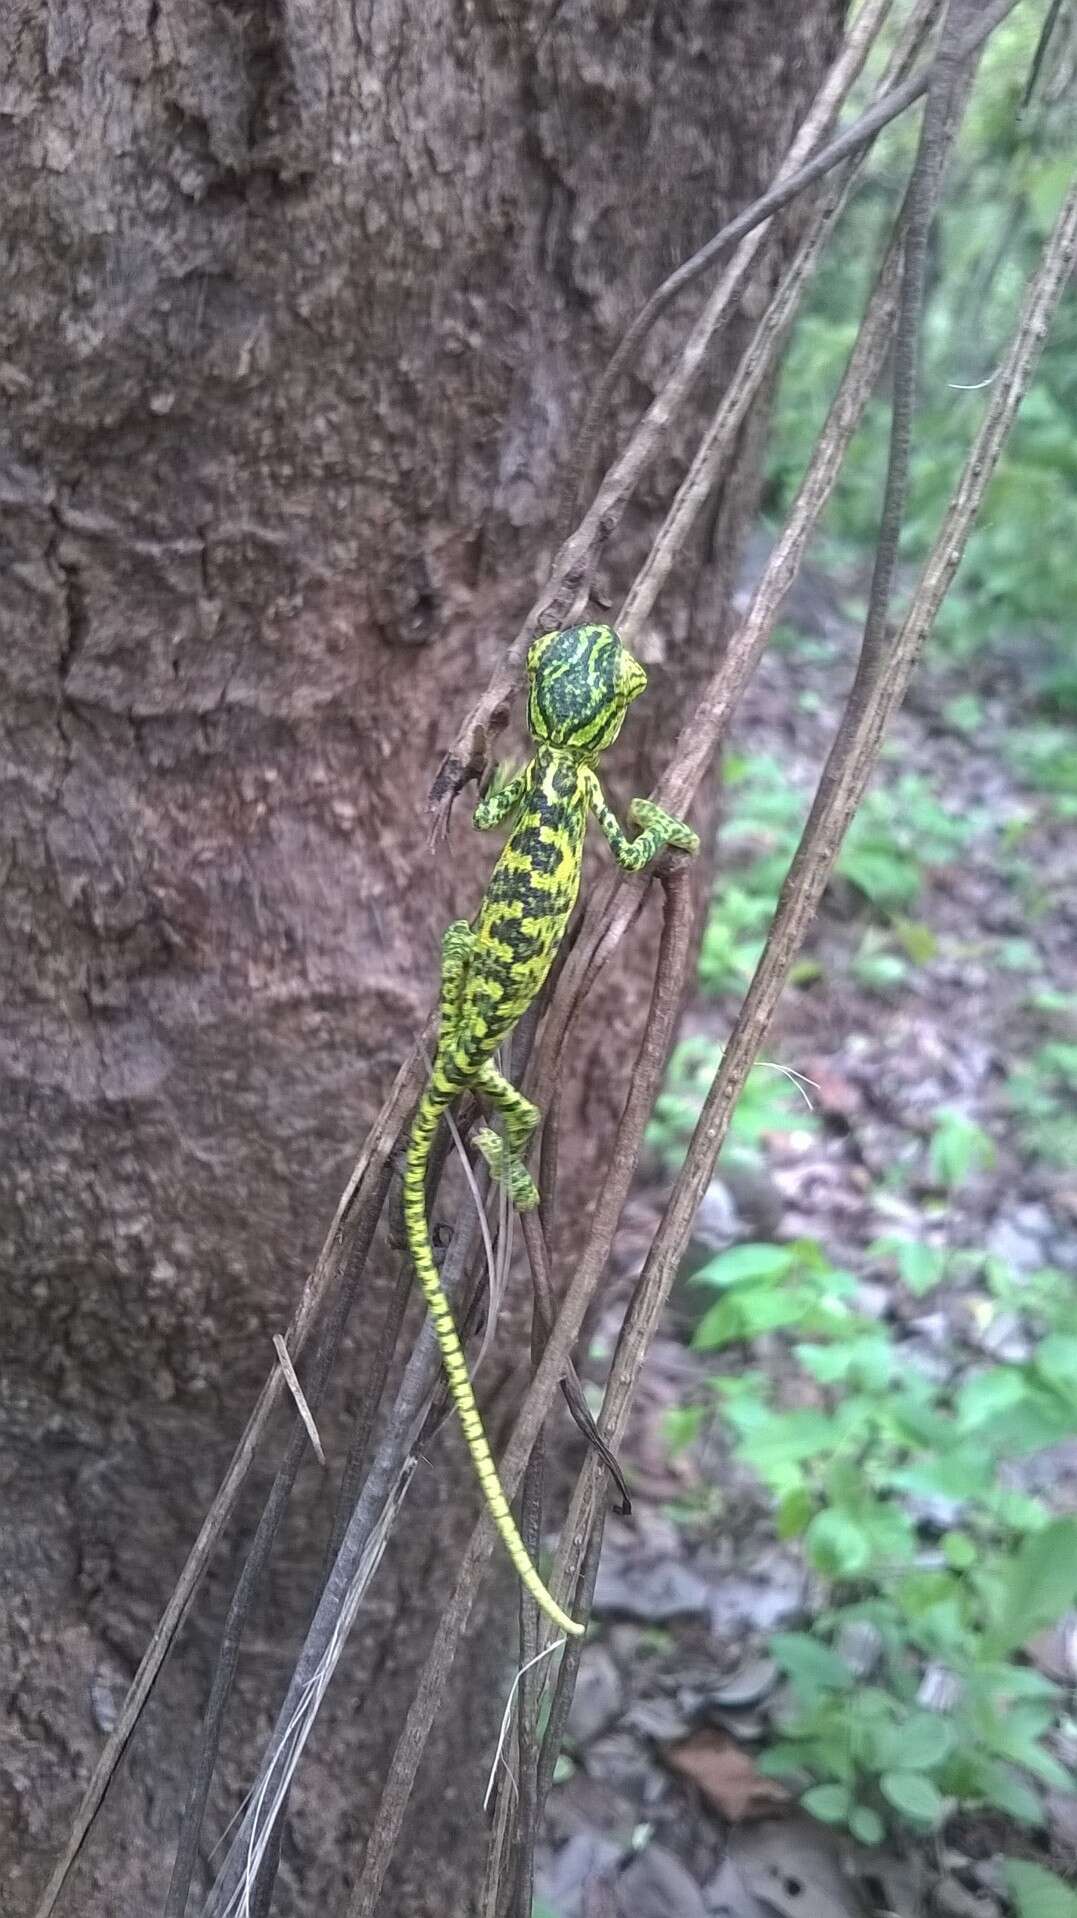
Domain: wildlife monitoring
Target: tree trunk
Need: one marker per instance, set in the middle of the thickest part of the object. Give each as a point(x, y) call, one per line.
point(302, 305)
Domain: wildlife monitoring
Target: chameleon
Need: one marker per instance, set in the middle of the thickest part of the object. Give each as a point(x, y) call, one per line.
point(581, 681)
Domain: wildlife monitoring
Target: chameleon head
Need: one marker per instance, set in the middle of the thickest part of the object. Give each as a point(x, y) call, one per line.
point(581, 683)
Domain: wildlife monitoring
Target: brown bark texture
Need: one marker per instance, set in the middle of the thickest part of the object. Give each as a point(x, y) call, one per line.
point(302, 301)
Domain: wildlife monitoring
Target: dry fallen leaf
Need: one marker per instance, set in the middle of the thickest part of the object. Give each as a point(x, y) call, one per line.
point(794, 1870)
point(727, 1776)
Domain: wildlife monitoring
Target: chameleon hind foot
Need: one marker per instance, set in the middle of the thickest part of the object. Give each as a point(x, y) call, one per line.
point(672, 831)
point(512, 1172)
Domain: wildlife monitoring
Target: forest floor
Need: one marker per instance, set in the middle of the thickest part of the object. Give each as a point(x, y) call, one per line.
point(934, 1022)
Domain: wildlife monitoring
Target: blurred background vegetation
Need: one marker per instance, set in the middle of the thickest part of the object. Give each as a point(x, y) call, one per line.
point(894, 1363)
point(1006, 183)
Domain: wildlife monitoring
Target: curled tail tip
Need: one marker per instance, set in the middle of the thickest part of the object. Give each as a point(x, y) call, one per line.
point(548, 1604)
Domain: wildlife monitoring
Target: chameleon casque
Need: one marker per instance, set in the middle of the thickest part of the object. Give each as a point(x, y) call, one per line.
point(581, 681)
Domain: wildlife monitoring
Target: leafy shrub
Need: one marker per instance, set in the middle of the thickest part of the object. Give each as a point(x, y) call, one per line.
point(923, 1550)
point(901, 832)
point(1042, 1096)
point(1007, 182)
point(1045, 757)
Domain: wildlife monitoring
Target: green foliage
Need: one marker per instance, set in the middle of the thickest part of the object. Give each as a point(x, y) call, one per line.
point(766, 1288)
point(901, 832)
point(1041, 1094)
point(919, 1266)
point(901, 1490)
point(877, 968)
point(1040, 1580)
point(898, 832)
point(757, 840)
point(769, 1103)
point(869, 1749)
point(1038, 1893)
point(681, 1427)
point(964, 713)
point(959, 1148)
point(1006, 184)
point(1045, 758)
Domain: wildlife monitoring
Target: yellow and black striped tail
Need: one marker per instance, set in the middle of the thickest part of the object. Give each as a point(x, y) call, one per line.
point(438, 1095)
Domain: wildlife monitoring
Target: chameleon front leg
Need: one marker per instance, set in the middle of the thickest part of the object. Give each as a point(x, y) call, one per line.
point(500, 802)
point(504, 1156)
point(659, 829)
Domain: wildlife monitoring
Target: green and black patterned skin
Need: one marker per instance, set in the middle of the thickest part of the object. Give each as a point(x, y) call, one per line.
point(581, 683)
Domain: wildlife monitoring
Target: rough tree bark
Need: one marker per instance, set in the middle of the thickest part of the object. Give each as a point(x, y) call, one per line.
point(302, 303)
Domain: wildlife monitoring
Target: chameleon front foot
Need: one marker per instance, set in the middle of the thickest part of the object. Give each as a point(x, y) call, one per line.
point(521, 1186)
point(672, 832)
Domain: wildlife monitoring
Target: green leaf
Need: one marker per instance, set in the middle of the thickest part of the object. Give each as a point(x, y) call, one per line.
point(867, 1362)
point(810, 1665)
point(918, 1743)
point(1006, 1681)
point(880, 972)
point(744, 1314)
point(960, 1550)
point(1038, 1893)
point(886, 876)
point(920, 1266)
point(783, 1760)
point(743, 1264)
point(794, 1512)
point(836, 1546)
point(918, 940)
point(681, 1426)
point(889, 1532)
point(958, 1148)
point(1009, 1793)
point(1039, 1583)
point(843, 1483)
point(866, 1825)
point(1021, 1745)
point(986, 1394)
point(1047, 183)
point(923, 1596)
point(965, 712)
point(1056, 1361)
point(775, 1441)
point(831, 1803)
point(914, 1796)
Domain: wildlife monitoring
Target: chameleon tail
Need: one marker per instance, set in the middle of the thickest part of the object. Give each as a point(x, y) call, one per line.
point(439, 1094)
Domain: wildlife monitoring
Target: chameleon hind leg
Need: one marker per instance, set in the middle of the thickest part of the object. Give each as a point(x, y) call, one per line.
point(503, 1156)
point(521, 1117)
